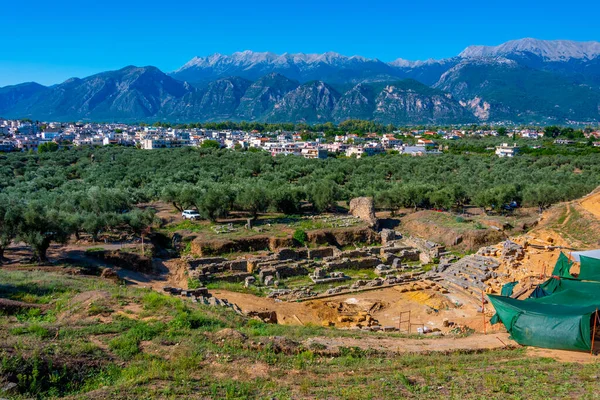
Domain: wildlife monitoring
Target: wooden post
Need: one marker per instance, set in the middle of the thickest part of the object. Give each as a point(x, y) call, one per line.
point(483, 312)
point(594, 332)
point(544, 270)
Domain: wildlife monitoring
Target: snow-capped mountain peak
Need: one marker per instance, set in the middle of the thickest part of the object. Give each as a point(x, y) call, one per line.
point(549, 50)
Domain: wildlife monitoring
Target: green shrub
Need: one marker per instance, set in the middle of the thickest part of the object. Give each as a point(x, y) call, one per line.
point(460, 220)
point(38, 377)
point(125, 346)
point(194, 283)
point(300, 236)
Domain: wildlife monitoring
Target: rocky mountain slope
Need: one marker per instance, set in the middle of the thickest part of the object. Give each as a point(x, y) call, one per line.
point(263, 95)
point(504, 90)
point(521, 81)
point(146, 94)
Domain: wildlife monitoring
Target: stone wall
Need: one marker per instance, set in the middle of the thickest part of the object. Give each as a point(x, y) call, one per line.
point(363, 208)
point(332, 237)
point(322, 252)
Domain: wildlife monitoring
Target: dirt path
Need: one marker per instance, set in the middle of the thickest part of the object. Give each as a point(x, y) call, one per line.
point(563, 355)
point(402, 345)
point(568, 216)
point(168, 273)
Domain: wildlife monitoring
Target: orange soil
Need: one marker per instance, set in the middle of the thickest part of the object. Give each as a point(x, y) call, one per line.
point(592, 204)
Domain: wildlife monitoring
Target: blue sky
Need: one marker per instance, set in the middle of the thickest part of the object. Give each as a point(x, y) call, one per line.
point(50, 41)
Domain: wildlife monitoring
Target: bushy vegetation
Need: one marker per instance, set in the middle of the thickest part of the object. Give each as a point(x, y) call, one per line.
point(300, 236)
point(47, 197)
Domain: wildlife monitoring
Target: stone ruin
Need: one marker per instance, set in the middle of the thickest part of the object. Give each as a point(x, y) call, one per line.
point(429, 251)
point(387, 236)
point(364, 208)
point(320, 275)
point(321, 265)
point(396, 268)
point(202, 296)
point(512, 251)
point(468, 274)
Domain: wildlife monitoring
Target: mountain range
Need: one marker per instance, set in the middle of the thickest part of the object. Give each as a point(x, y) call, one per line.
point(521, 81)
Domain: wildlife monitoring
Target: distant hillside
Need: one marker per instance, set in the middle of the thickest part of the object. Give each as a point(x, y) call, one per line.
point(520, 81)
point(146, 94)
point(503, 90)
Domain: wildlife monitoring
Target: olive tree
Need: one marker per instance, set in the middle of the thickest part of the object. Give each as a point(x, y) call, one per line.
point(40, 226)
point(213, 203)
point(254, 199)
point(10, 219)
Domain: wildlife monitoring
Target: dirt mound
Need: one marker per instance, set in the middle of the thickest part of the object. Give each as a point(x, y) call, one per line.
point(443, 228)
point(203, 247)
point(231, 334)
point(123, 259)
point(79, 306)
point(281, 344)
point(429, 299)
point(574, 224)
point(110, 274)
point(13, 307)
point(591, 203)
point(267, 316)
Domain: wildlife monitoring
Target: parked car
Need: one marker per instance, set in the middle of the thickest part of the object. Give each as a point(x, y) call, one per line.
point(190, 214)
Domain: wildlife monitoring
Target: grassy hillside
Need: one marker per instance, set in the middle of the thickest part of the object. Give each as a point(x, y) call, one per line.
point(93, 339)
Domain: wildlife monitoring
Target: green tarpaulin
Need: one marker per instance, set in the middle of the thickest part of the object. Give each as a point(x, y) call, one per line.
point(562, 267)
point(557, 314)
point(569, 297)
point(507, 289)
point(554, 285)
point(556, 326)
point(589, 269)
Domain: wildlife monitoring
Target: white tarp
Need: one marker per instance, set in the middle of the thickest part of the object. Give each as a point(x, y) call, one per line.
point(588, 253)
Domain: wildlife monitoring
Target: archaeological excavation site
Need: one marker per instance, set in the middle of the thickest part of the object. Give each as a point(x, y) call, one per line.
point(418, 298)
point(366, 273)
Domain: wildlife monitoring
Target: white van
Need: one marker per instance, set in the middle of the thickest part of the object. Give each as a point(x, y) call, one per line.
point(190, 214)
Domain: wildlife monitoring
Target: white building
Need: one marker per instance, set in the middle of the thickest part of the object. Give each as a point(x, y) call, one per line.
point(163, 143)
point(313, 152)
point(504, 150)
point(389, 141)
point(51, 134)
